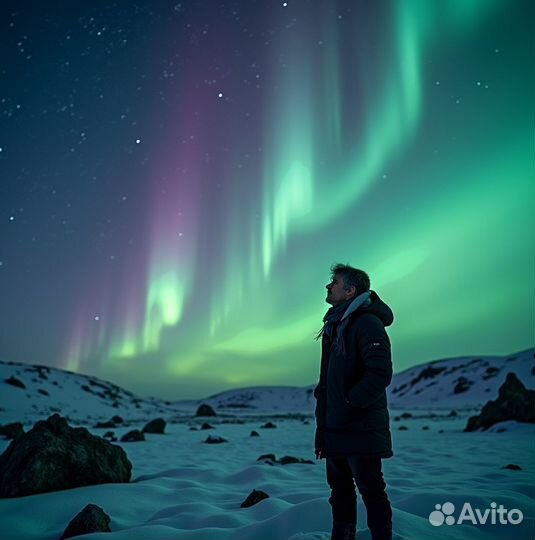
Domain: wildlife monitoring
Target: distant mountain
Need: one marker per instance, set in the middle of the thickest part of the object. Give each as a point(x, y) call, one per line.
point(28, 392)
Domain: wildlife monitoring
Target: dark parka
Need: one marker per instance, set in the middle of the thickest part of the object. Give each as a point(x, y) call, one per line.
point(351, 408)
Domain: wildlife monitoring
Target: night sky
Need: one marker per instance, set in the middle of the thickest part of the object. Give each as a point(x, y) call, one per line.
point(177, 178)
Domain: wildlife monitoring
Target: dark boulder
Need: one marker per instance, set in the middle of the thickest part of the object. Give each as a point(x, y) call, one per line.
point(155, 426)
point(512, 467)
point(205, 410)
point(268, 425)
point(53, 456)
point(514, 402)
point(133, 436)
point(255, 433)
point(11, 431)
point(267, 457)
point(207, 426)
point(89, 520)
point(253, 498)
point(117, 419)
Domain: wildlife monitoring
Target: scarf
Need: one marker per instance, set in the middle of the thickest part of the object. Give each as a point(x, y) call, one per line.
point(339, 314)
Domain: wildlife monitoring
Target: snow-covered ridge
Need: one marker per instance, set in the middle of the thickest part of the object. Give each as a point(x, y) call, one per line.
point(466, 382)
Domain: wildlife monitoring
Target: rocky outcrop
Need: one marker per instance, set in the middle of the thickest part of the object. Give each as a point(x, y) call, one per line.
point(514, 402)
point(13, 381)
point(11, 431)
point(91, 519)
point(155, 426)
point(205, 410)
point(53, 456)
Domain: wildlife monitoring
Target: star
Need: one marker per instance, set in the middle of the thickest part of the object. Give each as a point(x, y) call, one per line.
point(97, 318)
point(220, 95)
point(138, 141)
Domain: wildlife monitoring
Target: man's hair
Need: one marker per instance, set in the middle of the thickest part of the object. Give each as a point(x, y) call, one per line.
point(352, 277)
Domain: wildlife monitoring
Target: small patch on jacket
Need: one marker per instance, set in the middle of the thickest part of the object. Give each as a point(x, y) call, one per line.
point(376, 344)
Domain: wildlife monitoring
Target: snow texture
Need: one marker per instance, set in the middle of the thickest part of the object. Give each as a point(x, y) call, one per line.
point(184, 489)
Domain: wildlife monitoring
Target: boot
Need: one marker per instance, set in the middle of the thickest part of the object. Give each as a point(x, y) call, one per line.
point(343, 531)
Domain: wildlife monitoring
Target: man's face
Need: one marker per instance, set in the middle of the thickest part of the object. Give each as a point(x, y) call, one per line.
point(336, 291)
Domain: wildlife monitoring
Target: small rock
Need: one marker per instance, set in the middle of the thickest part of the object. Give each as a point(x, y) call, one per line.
point(306, 422)
point(512, 467)
point(268, 425)
point(207, 426)
point(288, 460)
point(109, 435)
point(117, 419)
point(462, 385)
point(193, 428)
point(267, 457)
point(133, 436)
point(42, 391)
point(453, 413)
point(403, 428)
point(91, 519)
point(425, 428)
point(15, 382)
point(214, 440)
point(155, 426)
point(205, 410)
point(101, 425)
point(255, 433)
point(253, 498)
point(406, 415)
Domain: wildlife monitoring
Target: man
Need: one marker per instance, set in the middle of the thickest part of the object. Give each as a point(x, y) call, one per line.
point(353, 432)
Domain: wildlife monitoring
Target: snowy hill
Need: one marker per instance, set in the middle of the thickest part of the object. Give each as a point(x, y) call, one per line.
point(459, 382)
point(38, 391)
point(30, 392)
point(466, 382)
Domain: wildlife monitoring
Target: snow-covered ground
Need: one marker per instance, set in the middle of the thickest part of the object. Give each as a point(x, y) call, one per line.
point(184, 489)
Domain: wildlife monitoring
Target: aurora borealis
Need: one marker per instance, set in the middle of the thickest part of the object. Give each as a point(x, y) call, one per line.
point(178, 177)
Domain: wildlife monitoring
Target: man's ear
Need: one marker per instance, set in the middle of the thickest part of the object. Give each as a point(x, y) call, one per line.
point(352, 291)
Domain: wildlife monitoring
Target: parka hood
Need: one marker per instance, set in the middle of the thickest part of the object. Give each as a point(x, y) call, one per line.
point(378, 308)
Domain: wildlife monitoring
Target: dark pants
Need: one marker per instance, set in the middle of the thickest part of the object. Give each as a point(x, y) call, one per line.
point(342, 473)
